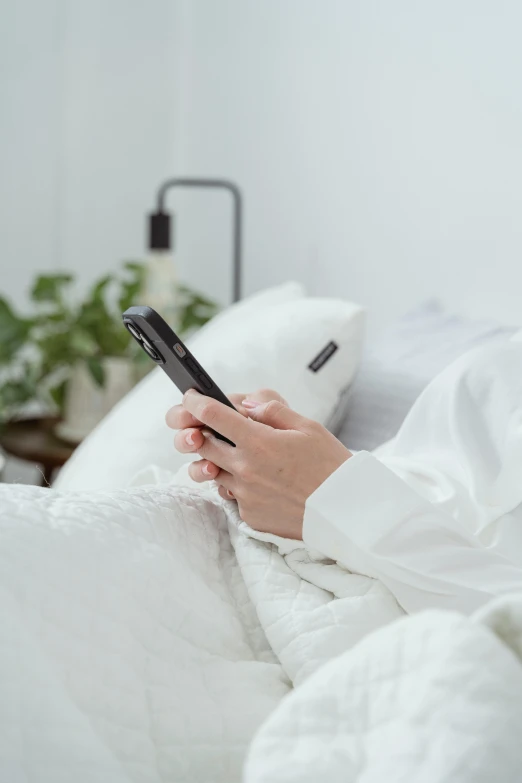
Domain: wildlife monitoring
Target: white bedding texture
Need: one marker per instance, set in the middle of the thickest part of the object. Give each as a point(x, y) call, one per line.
point(148, 637)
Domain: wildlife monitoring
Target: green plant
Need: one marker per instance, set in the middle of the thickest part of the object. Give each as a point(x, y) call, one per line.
point(194, 310)
point(38, 353)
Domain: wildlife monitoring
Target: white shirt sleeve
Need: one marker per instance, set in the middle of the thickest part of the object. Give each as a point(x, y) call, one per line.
point(369, 520)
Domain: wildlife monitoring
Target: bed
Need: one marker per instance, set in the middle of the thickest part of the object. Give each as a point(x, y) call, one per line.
point(148, 635)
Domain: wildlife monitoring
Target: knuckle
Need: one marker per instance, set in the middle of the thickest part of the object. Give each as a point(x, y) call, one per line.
point(267, 394)
point(273, 407)
point(209, 412)
point(314, 427)
point(244, 471)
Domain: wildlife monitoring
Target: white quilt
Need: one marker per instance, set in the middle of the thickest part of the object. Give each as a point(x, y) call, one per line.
point(146, 637)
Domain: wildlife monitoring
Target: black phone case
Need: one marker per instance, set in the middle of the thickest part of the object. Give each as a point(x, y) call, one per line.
point(172, 355)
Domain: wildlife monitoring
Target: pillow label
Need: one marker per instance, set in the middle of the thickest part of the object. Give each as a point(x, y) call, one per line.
point(323, 356)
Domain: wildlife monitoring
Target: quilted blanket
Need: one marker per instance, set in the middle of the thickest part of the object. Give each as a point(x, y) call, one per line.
point(148, 637)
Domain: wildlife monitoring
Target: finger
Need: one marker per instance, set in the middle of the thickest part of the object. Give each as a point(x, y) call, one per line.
point(275, 414)
point(226, 494)
point(265, 395)
point(219, 417)
point(262, 395)
point(237, 402)
point(236, 399)
point(188, 441)
point(178, 418)
point(202, 470)
point(226, 480)
point(217, 451)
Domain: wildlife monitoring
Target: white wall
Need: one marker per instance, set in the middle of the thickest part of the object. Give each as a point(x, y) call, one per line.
point(378, 145)
point(88, 124)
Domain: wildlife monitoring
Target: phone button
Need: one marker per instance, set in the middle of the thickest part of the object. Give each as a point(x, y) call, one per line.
point(191, 364)
point(204, 381)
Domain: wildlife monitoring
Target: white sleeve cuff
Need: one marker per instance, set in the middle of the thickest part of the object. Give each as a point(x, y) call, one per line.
point(362, 500)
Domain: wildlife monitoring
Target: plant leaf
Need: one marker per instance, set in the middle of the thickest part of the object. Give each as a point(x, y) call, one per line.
point(82, 342)
point(13, 331)
point(195, 310)
point(96, 370)
point(131, 288)
point(55, 350)
point(58, 394)
point(98, 289)
point(14, 394)
point(135, 266)
point(48, 288)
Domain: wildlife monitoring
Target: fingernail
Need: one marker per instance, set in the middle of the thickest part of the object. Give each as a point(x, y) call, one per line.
point(250, 405)
point(206, 469)
point(189, 439)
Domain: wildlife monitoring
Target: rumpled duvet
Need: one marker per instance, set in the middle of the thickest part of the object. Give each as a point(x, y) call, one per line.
point(146, 635)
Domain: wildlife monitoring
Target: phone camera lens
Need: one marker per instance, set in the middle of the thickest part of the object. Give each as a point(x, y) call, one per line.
point(132, 329)
point(147, 347)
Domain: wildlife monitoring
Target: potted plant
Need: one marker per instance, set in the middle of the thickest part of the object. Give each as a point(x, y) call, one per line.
point(75, 359)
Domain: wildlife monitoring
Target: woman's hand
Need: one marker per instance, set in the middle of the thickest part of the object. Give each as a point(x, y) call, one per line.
point(280, 458)
point(190, 438)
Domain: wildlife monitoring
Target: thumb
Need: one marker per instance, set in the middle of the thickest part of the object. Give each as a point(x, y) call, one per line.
point(274, 414)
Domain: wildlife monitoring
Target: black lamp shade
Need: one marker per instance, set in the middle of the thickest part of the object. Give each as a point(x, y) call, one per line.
point(159, 231)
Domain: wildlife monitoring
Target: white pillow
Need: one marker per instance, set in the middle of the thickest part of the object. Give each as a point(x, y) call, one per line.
point(400, 363)
point(267, 341)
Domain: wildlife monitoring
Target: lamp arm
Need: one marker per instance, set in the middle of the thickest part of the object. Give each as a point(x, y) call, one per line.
point(221, 184)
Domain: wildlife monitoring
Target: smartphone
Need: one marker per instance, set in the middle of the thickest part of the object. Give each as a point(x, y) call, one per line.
point(166, 349)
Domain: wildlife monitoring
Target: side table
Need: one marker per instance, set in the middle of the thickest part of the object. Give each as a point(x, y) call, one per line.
point(33, 440)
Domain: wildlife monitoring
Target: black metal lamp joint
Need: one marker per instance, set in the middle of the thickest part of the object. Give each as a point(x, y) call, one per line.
point(160, 221)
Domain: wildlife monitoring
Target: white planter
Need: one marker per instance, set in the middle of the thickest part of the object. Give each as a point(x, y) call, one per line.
point(87, 403)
